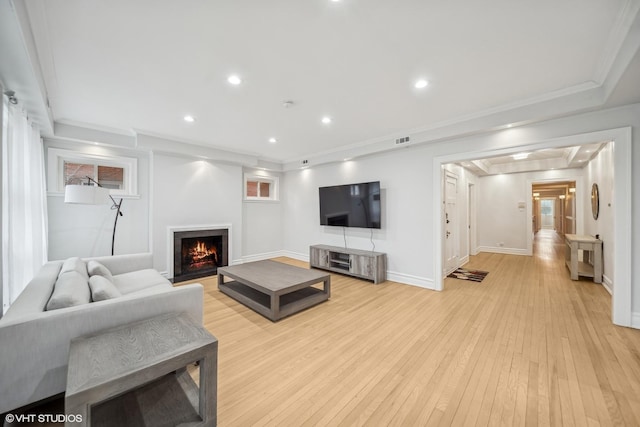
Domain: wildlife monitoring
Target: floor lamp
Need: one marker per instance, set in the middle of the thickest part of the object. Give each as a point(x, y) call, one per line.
point(92, 193)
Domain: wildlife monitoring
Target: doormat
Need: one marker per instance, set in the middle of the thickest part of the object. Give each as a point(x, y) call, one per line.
point(472, 275)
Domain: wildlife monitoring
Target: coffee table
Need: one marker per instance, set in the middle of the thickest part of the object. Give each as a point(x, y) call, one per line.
point(273, 289)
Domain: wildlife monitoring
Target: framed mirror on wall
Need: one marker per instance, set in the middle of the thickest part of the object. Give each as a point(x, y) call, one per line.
point(595, 201)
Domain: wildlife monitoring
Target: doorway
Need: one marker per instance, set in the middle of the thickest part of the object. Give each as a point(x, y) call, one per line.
point(547, 213)
point(622, 198)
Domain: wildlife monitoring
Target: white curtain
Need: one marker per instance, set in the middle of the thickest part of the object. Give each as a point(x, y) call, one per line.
point(24, 202)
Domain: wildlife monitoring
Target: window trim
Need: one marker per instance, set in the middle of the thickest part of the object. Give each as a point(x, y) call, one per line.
point(274, 194)
point(55, 175)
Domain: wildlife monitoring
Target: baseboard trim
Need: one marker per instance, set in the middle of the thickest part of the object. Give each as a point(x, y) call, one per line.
point(263, 256)
point(635, 320)
point(295, 255)
point(608, 284)
point(501, 250)
point(408, 279)
point(464, 260)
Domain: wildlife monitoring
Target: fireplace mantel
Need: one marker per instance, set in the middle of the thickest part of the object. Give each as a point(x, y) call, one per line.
point(172, 229)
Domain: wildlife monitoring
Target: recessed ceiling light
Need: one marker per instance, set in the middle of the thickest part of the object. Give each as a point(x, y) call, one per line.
point(509, 125)
point(326, 120)
point(520, 156)
point(189, 119)
point(421, 84)
point(273, 140)
point(234, 79)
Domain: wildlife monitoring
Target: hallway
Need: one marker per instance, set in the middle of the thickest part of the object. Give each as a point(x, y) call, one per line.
point(548, 245)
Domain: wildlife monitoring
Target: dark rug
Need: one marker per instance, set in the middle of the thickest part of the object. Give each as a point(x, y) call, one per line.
point(472, 275)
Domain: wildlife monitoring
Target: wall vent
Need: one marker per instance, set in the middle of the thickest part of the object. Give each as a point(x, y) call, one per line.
point(403, 140)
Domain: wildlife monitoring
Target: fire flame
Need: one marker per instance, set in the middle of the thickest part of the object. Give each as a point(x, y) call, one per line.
point(200, 251)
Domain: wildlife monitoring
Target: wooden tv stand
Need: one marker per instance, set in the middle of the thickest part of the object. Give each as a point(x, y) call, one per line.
point(353, 262)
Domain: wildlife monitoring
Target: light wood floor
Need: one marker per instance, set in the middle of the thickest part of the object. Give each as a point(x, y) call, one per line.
point(527, 346)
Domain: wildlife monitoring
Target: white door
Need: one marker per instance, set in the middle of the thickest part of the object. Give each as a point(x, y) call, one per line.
point(450, 223)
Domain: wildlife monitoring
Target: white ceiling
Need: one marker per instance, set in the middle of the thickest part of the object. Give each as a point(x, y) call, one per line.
point(140, 66)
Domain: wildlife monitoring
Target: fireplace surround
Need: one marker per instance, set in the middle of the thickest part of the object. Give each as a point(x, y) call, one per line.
point(198, 251)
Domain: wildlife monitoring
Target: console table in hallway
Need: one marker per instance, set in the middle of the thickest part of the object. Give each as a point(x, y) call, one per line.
point(587, 244)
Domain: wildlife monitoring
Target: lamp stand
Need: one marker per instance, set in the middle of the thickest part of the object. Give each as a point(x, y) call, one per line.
point(116, 206)
point(115, 223)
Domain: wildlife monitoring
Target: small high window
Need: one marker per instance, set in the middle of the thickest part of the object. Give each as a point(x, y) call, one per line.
point(118, 174)
point(260, 187)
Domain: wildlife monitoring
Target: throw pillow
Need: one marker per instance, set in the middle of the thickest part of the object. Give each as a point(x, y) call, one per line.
point(74, 264)
point(70, 289)
point(97, 269)
point(102, 289)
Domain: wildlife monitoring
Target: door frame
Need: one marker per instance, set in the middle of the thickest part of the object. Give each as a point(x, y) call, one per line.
point(456, 238)
point(622, 203)
point(472, 236)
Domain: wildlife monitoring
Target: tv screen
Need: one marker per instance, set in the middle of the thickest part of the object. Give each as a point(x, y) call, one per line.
point(352, 205)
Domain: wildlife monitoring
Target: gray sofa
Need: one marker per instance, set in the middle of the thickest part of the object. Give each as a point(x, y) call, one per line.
point(34, 341)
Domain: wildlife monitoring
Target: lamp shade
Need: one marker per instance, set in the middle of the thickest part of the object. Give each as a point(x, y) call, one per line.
point(86, 194)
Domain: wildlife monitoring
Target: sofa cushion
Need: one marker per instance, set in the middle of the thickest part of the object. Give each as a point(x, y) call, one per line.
point(70, 289)
point(102, 289)
point(95, 268)
point(137, 280)
point(75, 264)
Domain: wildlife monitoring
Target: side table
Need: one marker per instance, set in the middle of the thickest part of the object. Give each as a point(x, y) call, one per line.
point(111, 372)
point(575, 242)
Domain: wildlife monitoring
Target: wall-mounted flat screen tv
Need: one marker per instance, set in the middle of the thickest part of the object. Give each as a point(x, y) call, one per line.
point(351, 205)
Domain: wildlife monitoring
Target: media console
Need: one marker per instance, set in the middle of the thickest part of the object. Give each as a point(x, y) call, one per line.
point(354, 262)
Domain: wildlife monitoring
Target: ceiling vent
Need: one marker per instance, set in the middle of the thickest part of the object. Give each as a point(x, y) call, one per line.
point(403, 140)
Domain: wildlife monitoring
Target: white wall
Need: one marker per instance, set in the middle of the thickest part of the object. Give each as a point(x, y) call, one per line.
point(401, 235)
point(500, 220)
point(262, 223)
point(86, 230)
point(600, 171)
point(407, 177)
point(406, 215)
point(188, 191)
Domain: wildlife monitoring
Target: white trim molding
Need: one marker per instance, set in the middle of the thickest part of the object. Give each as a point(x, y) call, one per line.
point(409, 279)
point(635, 320)
point(262, 256)
point(607, 284)
point(503, 250)
point(296, 255)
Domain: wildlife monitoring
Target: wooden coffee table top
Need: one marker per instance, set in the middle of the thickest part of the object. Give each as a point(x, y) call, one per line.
point(272, 275)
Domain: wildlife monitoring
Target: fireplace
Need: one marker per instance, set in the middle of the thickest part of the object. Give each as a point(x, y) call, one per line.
point(199, 253)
